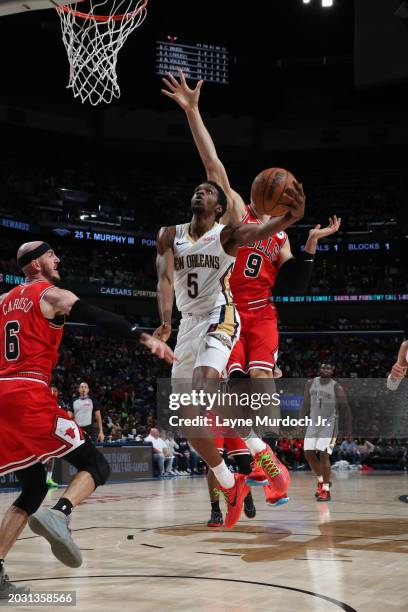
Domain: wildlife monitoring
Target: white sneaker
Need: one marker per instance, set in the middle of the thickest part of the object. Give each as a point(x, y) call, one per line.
point(53, 526)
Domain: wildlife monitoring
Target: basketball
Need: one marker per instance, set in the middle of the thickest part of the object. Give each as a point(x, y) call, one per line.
point(268, 191)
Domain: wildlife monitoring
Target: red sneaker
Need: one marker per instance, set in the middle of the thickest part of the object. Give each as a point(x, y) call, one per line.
point(257, 477)
point(234, 498)
point(272, 499)
point(319, 489)
point(276, 473)
point(324, 496)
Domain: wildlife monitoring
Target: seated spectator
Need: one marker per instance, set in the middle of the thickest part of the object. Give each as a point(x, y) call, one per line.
point(161, 456)
point(175, 452)
point(364, 450)
point(348, 451)
point(184, 449)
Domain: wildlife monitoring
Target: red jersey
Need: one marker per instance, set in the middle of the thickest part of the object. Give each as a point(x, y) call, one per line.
point(255, 269)
point(29, 342)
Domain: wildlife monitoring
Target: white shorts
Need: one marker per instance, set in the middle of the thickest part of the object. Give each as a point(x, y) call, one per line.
point(322, 439)
point(205, 340)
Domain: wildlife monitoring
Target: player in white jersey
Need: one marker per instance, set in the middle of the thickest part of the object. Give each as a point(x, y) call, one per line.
point(196, 259)
point(322, 401)
point(399, 369)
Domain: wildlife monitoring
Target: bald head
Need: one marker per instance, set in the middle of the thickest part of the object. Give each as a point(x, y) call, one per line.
point(27, 247)
point(38, 261)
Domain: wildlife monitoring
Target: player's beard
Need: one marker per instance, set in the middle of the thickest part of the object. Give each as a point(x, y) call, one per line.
point(53, 276)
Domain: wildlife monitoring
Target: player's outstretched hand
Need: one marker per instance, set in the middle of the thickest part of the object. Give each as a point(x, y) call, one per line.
point(295, 199)
point(321, 232)
point(163, 332)
point(185, 97)
point(158, 347)
point(398, 371)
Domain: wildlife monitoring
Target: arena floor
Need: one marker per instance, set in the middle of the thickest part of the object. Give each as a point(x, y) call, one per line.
point(349, 554)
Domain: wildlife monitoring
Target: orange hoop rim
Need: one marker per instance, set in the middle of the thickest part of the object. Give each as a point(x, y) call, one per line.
point(65, 8)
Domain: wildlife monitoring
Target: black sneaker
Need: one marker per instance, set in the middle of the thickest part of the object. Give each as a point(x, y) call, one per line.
point(216, 519)
point(249, 506)
point(7, 588)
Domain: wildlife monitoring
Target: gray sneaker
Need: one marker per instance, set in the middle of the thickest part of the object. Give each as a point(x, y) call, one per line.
point(53, 525)
point(7, 588)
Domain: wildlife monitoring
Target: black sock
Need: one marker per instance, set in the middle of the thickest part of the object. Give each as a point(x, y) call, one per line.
point(1, 564)
point(244, 463)
point(215, 506)
point(63, 505)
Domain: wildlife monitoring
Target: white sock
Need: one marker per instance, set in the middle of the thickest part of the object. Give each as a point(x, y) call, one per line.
point(223, 475)
point(320, 479)
point(49, 475)
point(255, 444)
point(326, 487)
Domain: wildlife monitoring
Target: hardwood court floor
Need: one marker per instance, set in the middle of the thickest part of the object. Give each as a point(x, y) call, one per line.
point(349, 554)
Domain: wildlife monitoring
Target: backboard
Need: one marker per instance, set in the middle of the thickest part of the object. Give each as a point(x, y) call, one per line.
point(8, 7)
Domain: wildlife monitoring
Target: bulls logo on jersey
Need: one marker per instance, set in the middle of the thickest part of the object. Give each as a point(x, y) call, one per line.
point(256, 267)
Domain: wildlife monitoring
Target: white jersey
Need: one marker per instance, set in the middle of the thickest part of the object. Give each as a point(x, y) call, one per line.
point(323, 400)
point(201, 271)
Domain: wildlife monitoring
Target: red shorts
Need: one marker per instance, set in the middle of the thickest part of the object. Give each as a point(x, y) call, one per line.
point(233, 446)
point(33, 428)
point(257, 347)
point(228, 438)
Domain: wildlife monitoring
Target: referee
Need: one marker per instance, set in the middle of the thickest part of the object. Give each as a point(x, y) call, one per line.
point(84, 409)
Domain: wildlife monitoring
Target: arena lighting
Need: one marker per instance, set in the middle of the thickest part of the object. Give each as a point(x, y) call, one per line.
point(306, 1)
point(327, 3)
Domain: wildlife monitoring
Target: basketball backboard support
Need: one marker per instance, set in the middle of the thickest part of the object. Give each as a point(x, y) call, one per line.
point(9, 7)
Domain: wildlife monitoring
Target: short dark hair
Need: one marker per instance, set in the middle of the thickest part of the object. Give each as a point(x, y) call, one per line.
point(326, 362)
point(222, 198)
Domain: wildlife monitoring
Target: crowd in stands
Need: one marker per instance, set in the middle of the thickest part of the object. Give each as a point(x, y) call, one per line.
point(366, 454)
point(354, 356)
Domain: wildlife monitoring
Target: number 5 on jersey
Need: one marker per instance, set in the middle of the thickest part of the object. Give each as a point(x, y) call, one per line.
point(192, 284)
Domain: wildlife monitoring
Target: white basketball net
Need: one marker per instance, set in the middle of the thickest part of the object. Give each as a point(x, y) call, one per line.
point(93, 44)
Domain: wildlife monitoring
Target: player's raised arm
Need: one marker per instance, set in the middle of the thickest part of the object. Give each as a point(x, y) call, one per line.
point(233, 237)
point(62, 302)
point(319, 232)
point(165, 292)
point(295, 273)
point(187, 99)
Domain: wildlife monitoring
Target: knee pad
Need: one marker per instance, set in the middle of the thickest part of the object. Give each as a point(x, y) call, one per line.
point(87, 458)
point(33, 488)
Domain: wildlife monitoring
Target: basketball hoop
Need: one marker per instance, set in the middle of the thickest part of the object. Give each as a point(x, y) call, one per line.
point(93, 42)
